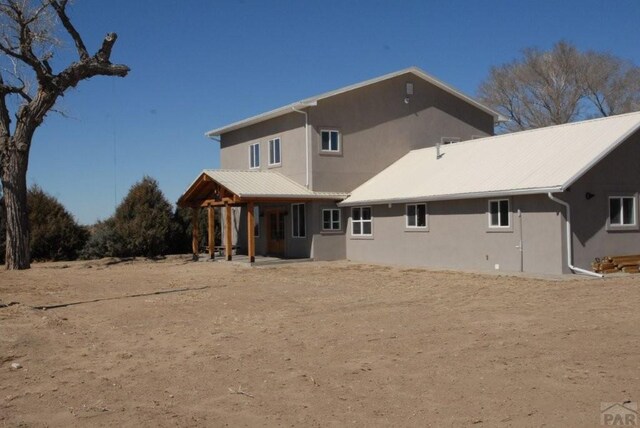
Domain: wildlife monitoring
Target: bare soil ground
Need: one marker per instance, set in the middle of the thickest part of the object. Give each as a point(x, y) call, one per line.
point(312, 344)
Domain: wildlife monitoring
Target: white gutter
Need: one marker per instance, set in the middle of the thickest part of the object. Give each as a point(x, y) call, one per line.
point(306, 138)
point(450, 197)
point(570, 240)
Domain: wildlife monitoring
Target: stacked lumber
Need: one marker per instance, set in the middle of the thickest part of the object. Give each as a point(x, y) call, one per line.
point(615, 264)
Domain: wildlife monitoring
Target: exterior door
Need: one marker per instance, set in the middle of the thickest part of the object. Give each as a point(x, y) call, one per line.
point(275, 232)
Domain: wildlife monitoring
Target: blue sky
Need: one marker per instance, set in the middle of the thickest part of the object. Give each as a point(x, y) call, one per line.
point(196, 65)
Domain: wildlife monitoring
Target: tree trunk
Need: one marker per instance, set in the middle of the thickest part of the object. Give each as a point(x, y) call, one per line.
point(14, 185)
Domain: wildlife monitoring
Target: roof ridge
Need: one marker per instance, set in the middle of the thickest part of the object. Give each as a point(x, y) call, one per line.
point(544, 128)
point(303, 103)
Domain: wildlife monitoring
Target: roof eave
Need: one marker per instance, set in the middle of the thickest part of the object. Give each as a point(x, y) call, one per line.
point(458, 196)
point(294, 197)
point(601, 156)
point(308, 102)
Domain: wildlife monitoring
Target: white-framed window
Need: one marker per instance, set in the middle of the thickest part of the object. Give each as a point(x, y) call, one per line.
point(622, 210)
point(254, 155)
point(416, 216)
point(330, 140)
point(499, 213)
point(449, 140)
point(331, 219)
point(274, 151)
point(256, 221)
point(361, 221)
point(298, 223)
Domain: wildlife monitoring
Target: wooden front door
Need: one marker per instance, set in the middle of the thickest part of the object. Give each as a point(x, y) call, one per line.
point(275, 232)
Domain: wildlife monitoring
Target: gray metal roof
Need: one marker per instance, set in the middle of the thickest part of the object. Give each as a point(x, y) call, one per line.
point(311, 101)
point(536, 161)
point(265, 184)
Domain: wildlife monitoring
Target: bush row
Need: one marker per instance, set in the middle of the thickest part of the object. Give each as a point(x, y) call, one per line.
point(144, 224)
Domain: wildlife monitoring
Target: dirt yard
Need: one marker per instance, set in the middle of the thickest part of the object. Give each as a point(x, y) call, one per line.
point(312, 344)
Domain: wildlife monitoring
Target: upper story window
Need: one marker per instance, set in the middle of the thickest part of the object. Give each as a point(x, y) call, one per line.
point(361, 221)
point(274, 151)
point(331, 219)
point(254, 155)
point(298, 223)
point(499, 213)
point(330, 141)
point(416, 216)
point(622, 211)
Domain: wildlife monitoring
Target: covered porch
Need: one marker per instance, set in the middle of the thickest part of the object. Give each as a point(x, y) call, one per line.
point(243, 191)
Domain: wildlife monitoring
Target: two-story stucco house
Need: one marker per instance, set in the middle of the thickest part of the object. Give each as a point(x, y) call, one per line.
point(405, 169)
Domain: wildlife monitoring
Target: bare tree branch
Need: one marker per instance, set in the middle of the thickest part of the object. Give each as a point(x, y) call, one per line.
point(561, 85)
point(27, 37)
point(5, 121)
point(60, 8)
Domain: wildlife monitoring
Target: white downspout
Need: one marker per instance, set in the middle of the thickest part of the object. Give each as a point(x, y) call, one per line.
point(570, 240)
point(306, 140)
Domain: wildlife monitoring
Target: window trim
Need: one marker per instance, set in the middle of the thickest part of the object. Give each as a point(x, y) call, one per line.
point(270, 143)
point(329, 151)
point(406, 217)
point(498, 227)
point(361, 222)
point(252, 154)
point(296, 233)
point(623, 226)
point(331, 221)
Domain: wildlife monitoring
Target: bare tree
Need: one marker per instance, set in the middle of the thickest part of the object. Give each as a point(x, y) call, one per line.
point(610, 83)
point(561, 85)
point(30, 87)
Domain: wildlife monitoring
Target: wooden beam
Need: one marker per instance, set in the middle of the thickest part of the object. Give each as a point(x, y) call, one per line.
point(227, 232)
point(251, 239)
point(212, 231)
point(217, 202)
point(195, 232)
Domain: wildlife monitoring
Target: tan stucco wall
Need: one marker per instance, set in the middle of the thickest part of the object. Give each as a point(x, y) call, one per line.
point(234, 146)
point(458, 237)
point(377, 128)
point(616, 175)
point(317, 244)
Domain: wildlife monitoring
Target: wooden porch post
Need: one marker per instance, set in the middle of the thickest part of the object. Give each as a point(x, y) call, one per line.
point(212, 231)
point(195, 232)
point(251, 239)
point(227, 232)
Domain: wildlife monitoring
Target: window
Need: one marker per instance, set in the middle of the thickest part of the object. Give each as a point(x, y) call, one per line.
point(254, 155)
point(499, 213)
point(256, 221)
point(361, 221)
point(416, 216)
point(298, 221)
point(331, 219)
point(622, 211)
point(274, 151)
point(330, 141)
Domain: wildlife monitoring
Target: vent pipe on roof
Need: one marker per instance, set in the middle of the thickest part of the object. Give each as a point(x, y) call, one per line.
point(438, 154)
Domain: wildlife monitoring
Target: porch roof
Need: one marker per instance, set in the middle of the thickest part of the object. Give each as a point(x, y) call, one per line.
point(239, 186)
